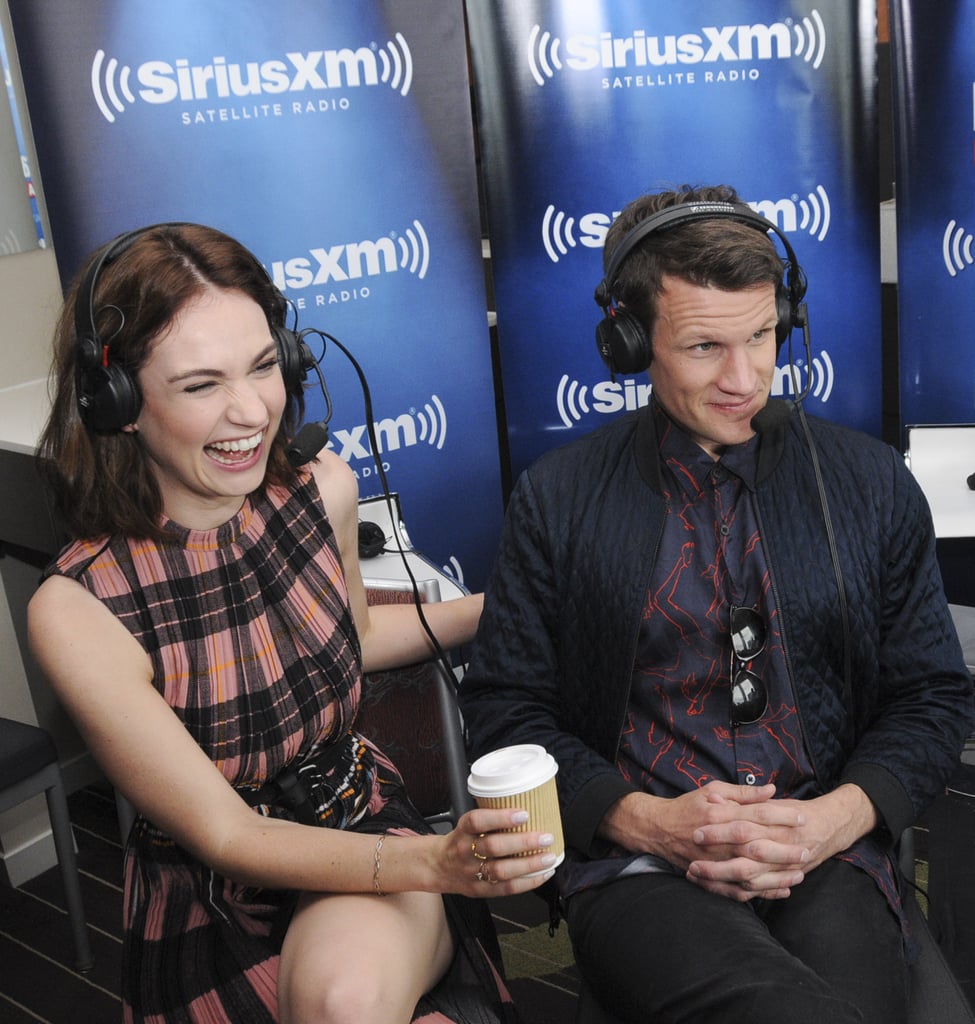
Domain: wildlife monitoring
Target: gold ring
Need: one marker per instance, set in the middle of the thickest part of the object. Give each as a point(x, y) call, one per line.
point(483, 875)
point(479, 856)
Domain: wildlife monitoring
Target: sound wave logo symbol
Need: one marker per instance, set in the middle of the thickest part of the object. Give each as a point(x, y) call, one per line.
point(956, 248)
point(557, 233)
point(571, 400)
point(543, 54)
point(789, 379)
point(810, 36)
point(814, 213)
point(108, 79)
point(432, 420)
point(397, 65)
point(414, 247)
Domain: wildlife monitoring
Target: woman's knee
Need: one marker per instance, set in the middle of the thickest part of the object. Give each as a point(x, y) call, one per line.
point(312, 997)
point(346, 960)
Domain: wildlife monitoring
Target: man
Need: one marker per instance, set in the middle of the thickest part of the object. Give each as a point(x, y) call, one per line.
point(731, 634)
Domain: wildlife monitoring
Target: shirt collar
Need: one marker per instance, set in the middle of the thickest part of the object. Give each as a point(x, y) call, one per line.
point(676, 445)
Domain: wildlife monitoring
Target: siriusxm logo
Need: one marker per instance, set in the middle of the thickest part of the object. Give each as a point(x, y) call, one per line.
point(708, 45)
point(562, 232)
point(575, 400)
point(408, 250)
point(117, 86)
point(956, 248)
point(426, 425)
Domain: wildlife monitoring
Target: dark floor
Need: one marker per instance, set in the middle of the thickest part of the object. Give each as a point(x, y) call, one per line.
point(38, 982)
point(37, 977)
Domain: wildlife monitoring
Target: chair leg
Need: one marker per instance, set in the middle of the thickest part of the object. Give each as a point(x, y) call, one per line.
point(57, 806)
point(126, 816)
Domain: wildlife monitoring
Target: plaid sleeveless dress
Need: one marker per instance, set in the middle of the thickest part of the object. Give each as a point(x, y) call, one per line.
point(253, 646)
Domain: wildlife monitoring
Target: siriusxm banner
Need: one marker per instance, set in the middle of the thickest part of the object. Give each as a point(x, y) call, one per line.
point(933, 47)
point(335, 140)
point(583, 106)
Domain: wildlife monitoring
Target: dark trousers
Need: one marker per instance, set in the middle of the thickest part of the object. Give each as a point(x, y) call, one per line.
point(657, 949)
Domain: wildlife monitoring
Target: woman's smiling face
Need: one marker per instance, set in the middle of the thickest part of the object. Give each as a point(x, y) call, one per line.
point(212, 401)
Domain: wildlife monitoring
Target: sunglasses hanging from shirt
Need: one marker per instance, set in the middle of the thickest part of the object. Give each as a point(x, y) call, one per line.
point(749, 696)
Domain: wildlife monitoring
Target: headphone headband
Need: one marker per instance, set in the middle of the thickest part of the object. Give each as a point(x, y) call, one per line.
point(675, 216)
point(84, 307)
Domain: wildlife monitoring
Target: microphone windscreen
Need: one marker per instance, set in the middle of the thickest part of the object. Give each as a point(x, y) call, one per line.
point(775, 414)
point(308, 442)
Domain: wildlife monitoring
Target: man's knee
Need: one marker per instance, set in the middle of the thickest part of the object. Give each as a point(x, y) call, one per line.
point(658, 947)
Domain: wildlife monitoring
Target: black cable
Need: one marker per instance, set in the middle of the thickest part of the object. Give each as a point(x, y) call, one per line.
point(803, 319)
point(439, 652)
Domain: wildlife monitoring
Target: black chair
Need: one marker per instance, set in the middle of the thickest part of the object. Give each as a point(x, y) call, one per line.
point(411, 714)
point(936, 997)
point(29, 767)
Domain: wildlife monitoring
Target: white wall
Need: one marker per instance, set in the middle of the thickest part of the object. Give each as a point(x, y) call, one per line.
point(30, 297)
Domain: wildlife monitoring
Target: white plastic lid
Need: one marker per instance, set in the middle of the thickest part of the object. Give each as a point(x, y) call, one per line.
point(511, 770)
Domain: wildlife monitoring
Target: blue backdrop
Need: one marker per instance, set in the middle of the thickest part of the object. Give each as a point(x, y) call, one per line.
point(933, 46)
point(583, 106)
point(335, 140)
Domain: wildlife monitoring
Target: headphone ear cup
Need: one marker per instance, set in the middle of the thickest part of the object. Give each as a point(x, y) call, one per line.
point(294, 357)
point(623, 343)
point(786, 314)
point(108, 396)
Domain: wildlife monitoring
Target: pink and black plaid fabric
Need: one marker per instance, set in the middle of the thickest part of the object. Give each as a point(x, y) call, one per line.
point(253, 646)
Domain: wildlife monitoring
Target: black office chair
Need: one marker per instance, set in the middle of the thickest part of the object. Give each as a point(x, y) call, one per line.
point(936, 997)
point(29, 767)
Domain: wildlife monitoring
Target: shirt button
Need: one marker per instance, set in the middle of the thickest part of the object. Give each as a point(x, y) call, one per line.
point(725, 529)
point(750, 779)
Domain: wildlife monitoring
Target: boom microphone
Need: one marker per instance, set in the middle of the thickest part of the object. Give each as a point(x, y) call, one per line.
point(312, 437)
point(776, 413)
point(308, 442)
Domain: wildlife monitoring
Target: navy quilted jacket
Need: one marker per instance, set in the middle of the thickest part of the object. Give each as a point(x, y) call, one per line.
point(555, 649)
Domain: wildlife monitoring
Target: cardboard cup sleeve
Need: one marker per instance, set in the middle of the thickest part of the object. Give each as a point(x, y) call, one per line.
point(521, 776)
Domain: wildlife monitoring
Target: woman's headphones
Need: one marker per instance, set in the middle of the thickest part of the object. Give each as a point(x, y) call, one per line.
point(623, 341)
point(108, 394)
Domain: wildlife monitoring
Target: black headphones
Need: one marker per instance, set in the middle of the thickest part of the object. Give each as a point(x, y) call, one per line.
point(622, 340)
point(107, 393)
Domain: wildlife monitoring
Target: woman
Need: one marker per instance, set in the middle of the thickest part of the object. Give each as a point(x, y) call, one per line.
point(207, 629)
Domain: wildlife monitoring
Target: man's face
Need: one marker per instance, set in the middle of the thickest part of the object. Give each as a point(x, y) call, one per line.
point(713, 359)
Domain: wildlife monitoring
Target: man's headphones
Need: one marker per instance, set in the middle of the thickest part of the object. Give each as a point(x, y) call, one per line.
point(108, 394)
point(622, 340)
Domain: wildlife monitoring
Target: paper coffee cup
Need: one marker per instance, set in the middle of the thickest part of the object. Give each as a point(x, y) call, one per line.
point(521, 776)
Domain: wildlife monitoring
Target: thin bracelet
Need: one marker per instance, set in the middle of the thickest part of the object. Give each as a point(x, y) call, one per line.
point(377, 866)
